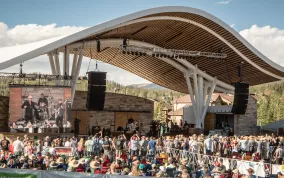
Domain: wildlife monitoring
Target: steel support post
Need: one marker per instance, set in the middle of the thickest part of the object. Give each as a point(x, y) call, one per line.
point(52, 65)
point(191, 94)
point(75, 57)
point(212, 88)
point(200, 97)
point(196, 94)
point(77, 72)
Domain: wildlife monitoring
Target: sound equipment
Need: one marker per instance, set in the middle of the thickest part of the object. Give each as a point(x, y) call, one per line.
point(96, 91)
point(96, 130)
point(98, 46)
point(241, 98)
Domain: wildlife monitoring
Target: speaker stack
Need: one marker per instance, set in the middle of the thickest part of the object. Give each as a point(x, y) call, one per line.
point(96, 91)
point(241, 98)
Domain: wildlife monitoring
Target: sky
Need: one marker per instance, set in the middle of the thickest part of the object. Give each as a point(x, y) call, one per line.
point(258, 21)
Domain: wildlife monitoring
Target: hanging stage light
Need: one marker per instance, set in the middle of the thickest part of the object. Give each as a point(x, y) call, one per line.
point(124, 44)
point(98, 45)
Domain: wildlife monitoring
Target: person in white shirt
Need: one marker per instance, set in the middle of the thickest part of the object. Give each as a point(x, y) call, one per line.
point(244, 145)
point(134, 145)
point(194, 145)
point(89, 146)
point(208, 143)
point(67, 143)
point(52, 150)
point(18, 147)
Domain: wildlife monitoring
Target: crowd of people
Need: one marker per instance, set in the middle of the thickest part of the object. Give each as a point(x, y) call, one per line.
point(141, 155)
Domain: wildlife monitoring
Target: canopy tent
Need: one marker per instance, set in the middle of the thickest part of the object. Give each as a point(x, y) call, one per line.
point(272, 127)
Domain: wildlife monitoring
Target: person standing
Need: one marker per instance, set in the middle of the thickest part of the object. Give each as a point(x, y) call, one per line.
point(5, 145)
point(119, 145)
point(81, 147)
point(30, 109)
point(59, 114)
point(208, 144)
point(89, 146)
point(152, 146)
point(134, 141)
point(143, 146)
point(106, 146)
point(97, 147)
point(18, 147)
point(279, 153)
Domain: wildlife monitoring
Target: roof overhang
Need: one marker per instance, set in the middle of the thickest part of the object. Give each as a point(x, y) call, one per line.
point(181, 28)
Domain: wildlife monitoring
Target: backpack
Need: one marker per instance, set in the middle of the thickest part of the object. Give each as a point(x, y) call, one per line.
point(119, 144)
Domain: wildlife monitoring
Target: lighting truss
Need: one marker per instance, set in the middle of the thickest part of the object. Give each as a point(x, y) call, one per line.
point(171, 53)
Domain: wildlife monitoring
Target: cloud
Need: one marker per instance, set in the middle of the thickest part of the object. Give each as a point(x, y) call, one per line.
point(224, 2)
point(22, 34)
point(268, 40)
point(233, 25)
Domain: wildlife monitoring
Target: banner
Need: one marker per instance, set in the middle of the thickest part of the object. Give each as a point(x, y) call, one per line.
point(25, 173)
point(64, 151)
point(19, 173)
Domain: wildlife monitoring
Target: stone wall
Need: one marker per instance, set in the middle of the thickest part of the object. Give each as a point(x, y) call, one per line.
point(4, 113)
point(118, 109)
point(247, 124)
point(116, 102)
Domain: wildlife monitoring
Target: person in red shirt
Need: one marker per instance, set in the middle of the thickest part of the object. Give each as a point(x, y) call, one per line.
point(11, 148)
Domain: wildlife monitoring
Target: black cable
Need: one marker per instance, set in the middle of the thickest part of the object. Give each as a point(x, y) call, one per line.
point(228, 72)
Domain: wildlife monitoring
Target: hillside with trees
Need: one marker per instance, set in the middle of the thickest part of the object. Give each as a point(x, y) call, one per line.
point(270, 102)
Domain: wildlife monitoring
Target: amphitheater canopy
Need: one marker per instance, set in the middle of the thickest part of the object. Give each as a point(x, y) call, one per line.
point(180, 28)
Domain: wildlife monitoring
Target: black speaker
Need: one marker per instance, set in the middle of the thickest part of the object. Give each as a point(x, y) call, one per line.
point(240, 98)
point(96, 91)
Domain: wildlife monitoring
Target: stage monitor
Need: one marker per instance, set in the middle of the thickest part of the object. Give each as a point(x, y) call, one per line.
point(40, 107)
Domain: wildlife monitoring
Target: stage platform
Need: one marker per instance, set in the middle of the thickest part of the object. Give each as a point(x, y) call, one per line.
point(14, 135)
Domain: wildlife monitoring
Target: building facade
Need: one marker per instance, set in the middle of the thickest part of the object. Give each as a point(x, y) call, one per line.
point(118, 108)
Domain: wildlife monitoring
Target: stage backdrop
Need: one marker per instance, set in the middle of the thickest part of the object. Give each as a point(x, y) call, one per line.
point(43, 114)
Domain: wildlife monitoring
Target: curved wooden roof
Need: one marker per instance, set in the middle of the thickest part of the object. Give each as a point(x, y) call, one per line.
point(176, 34)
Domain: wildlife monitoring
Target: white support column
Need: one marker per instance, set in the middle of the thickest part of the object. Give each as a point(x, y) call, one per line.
point(57, 64)
point(191, 94)
point(74, 62)
point(66, 62)
point(212, 88)
point(196, 94)
point(77, 72)
point(67, 56)
point(205, 92)
point(51, 61)
point(200, 97)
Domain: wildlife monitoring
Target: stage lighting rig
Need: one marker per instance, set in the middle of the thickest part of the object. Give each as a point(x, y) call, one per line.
point(170, 53)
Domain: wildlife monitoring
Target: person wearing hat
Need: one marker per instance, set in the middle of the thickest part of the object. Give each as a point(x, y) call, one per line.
point(125, 171)
point(73, 166)
point(60, 164)
point(142, 169)
point(236, 174)
point(250, 173)
point(83, 162)
point(95, 167)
